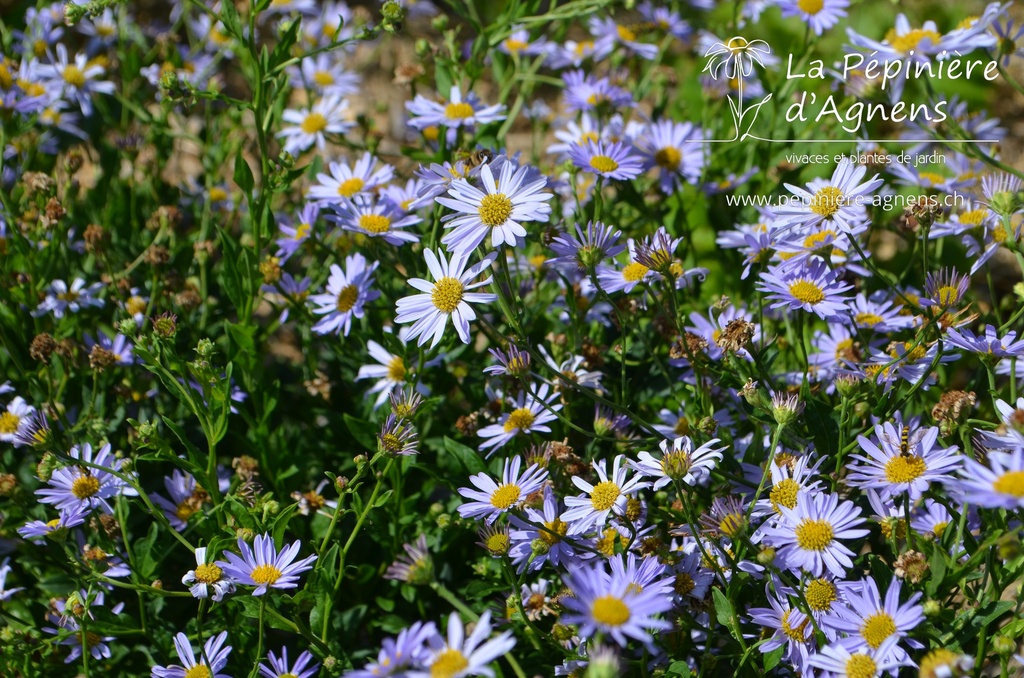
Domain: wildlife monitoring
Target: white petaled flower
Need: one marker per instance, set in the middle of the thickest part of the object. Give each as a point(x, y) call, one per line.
point(449, 295)
point(348, 290)
point(459, 656)
point(530, 413)
point(208, 663)
point(839, 200)
point(75, 79)
point(611, 493)
point(458, 112)
point(381, 218)
point(348, 182)
point(207, 580)
point(679, 461)
point(389, 373)
point(326, 74)
point(15, 418)
point(676, 149)
point(498, 210)
point(492, 499)
point(808, 536)
point(310, 126)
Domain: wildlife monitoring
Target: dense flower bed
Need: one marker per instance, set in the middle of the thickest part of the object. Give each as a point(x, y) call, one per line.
point(517, 338)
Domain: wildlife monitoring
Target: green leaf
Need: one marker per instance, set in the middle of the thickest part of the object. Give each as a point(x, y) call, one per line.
point(678, 669)
point(236, 275)
point(467, 456)
point(386, 604)
point(936, 571)
point(232, 22)
point(283, 48)
point(196, 460)
point(723, 609)
point(772, 659)
point(243, 175)
point(281, 522)
point(144, 559)
point(364, 432)
point(382, 499)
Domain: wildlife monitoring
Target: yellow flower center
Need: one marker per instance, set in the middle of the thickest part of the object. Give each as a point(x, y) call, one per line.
point(587, 136)
point(208, 573)
point(910, 40)
point(184, 511)
point(911, 355)
point(938, 529)
point(877, 628)
point(973, 217)
point(935, 660)
point(136, 305)
point(495, 209)
point(932, 177)
point(684, 584)
point(520, 419)
point(217, 194)
point(52, 524)
point(265, 574)
point(85, 487)
point(558, 530)
point(610, 611)
point(861, 666)
point(448, 663)
point(609, 538)
point(668, 157)
point(1011, 482)
point(999, 234)
point(810, 6)
point(323, 78)
point(820, 594)
point(374, 223)
point(68, 296)
point(505, 496)
point(391, 442)
point(431, 133)
point(302, 231)
point(515, 46)
point(498, 543)
point(459, 111)
point(582, 47)
point(807, 292)
point(626, 33)
point(198, 671)
point(814, 535)
point(731, 524)
point(827, 201)
point(868, 319)
point(634, 272)
point(447, 294)
point(350, 187)
point(947, 295)
point(396, 369)
point(603, 164)
point(816, 240)
point(905, 469)
point(682, 426)
point(795, 633)
point(314, 123)
point(9, 422)
point(604, 495)
point(6, 79)
point(347, 298)
point(74, 76)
